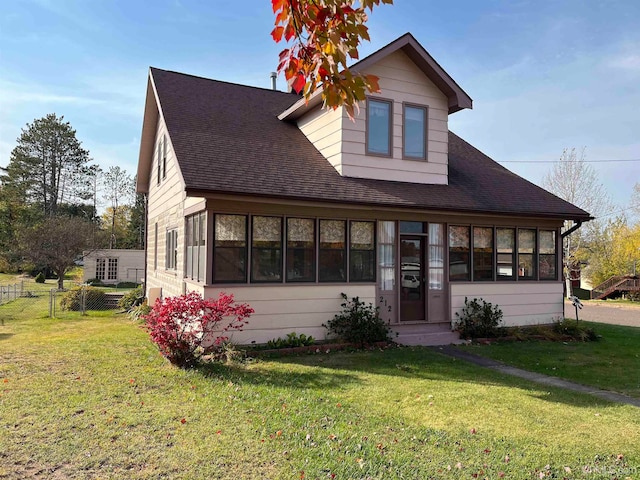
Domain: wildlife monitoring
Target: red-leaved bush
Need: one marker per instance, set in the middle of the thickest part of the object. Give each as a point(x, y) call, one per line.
point(184, 327)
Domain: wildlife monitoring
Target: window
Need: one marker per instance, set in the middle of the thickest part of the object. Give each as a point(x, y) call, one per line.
point(362, 254)
point(459, 253)
point(414, 141)
point(266, 249)
point(526, 254)
point(230, 248)
point(155, 248)
point(159, 161)
point(100, 268)
point(483, 253)
point(301, 250)
point(379, 114)
point(195, 235)
point(171, 252)
point(506, 249)
point(164, 157)
point(112, 270)
point(332, 253)
point(547, 261)
point(387, 254)
point(436, 256)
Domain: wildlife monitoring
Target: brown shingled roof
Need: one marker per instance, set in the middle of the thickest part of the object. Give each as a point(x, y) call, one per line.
point(228, 139)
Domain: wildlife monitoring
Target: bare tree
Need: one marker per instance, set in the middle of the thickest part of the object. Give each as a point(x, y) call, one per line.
point(119, 189)
point(56, 243)
point(577, 182)
point(635, 200)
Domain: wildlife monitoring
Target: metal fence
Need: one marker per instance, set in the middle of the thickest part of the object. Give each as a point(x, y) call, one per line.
point(26, 298)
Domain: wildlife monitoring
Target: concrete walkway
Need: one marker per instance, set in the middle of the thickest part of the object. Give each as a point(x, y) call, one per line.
point(454, 352)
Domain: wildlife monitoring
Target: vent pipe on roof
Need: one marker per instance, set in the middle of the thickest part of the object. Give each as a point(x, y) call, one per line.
point(273, 76)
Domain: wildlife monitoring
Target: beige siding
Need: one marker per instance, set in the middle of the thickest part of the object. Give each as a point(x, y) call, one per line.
point(342, 141)
point(280, 309)
point(130, 264)
point(323, 129)
point(166, 209)
point(523, 303)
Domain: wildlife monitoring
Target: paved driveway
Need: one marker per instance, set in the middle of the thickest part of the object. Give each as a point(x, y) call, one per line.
point(606, 313)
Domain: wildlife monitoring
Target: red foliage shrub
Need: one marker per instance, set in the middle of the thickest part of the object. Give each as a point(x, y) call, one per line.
point(186, 326)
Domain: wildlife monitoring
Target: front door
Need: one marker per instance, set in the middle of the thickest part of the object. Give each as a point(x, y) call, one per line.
point(412, 278)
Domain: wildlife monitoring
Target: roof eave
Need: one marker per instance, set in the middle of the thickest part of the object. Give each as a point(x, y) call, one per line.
point(147, 138)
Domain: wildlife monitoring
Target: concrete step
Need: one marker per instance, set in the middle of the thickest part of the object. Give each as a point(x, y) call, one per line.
point(429, 338)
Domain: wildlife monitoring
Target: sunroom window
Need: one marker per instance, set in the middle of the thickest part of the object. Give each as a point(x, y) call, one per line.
point(230, 248)
point(266, 249)
point(332, 253)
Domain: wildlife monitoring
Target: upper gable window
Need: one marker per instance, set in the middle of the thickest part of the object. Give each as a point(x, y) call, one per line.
point(414, 142)
point(379, 114)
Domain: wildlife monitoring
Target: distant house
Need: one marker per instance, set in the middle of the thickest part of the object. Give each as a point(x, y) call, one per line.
point(255, 192)
point(114, 266)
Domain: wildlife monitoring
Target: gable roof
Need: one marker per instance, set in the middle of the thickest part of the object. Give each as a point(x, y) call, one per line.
point(458, 98)
point(228, 139)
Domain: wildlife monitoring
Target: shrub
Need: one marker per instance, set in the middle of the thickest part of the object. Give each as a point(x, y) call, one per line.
point(478, 319)
point(577, 331)
point(188, 326)
point(358, 323)
point(40, 278)
point(94, 281)
point(292, 340)
point(94, 299)
point(127, 285)
point(131, 298)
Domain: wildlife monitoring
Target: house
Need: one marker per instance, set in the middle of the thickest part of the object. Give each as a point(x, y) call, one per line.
point(114, 265)
point(257, 193)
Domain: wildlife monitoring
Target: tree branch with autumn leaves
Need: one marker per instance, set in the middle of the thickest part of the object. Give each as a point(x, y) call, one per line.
point(324, 35)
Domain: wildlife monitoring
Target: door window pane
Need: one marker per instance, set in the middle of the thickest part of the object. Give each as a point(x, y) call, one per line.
point(379, 127)
point(436, 256)
point(386, 255)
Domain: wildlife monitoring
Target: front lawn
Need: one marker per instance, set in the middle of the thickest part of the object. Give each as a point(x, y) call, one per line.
point(612, 363)
point(91, 398)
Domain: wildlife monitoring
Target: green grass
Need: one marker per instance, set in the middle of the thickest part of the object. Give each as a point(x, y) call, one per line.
point(91, 398)
point(612, 363)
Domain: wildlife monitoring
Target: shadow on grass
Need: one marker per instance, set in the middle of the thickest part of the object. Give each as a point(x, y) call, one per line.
point(5, 336)
point(419, 363)
point(316, 379)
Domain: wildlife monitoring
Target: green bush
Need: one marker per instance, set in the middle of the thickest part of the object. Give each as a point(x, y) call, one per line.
point(478, 319)
point(94, 281)
point(40, 278)
point(131, 298)
point(94, 299)
point(292, 340)
point(576, 330)
point(127, 285)
point(358, 323)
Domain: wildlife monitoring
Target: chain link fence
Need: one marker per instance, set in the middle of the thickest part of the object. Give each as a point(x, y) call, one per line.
point(26, 298)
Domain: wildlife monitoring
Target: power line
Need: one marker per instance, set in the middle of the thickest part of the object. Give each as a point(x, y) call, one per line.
point(578, 161)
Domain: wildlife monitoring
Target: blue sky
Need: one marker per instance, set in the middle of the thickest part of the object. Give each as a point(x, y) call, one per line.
point(544, 75)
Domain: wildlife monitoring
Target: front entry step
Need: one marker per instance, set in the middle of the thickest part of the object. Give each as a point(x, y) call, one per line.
point(427, 334)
